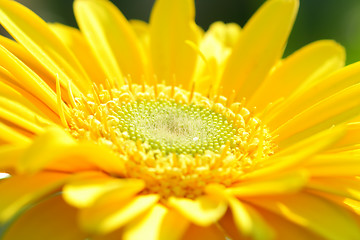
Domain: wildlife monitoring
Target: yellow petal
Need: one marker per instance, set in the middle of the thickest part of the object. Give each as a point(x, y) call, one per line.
point(202, 211)
point(351, 139)
point(56, 219)
point(10, 135)
point(34, 34)
point(284, 229)
point(313, 213)
point(10, 155)
point(112, 39)
point(173, 226)
point(76, 42)
point(348, 187)
point(249, 222)
point(171, 25)
point(22, 190)
point(259, 47)
point(146, 227)
point(280, 184)
point(290, 157)
point(26, 78)
point(335, 164)
point(11, 88)
point(11, 118)
point(313, 92)
point(32, 62)
point(311, 62)
point(334, 110)
point(110, 215)
point(71, 156)
point(85, 188)
point(212, 232)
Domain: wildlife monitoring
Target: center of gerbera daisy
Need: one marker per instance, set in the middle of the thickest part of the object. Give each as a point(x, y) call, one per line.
point(173, 127)
point(175, 140)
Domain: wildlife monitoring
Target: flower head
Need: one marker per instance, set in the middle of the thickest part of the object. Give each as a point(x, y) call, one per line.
point(133, 130)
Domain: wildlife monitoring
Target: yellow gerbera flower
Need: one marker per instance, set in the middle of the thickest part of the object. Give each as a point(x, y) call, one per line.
point(129, 130)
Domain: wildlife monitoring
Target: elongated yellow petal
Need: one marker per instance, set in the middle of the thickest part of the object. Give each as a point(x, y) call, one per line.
point(335, 164)
point(173, 225)
point(10, 88)
point(320, 216)
point(112, 39)
point(285, 229)
point(31, 61)
point(279, 184)
point(308, 64)
point(34, 34)
point(21, 122)
point(26, 78)
point(348, 187)
point(314, 92)
point(28, 189)
point(83, 190)
point(147, 227)
point(10, 155)
point(10, 135)
point(336, 109)
point(171, 25)
point(71, 156)
point(202, 211)
point(249, 222)
point(259, 47)
point(77, 43)
point(59, 217)
point(290, 157)
point(212, 232)
point(106, 217)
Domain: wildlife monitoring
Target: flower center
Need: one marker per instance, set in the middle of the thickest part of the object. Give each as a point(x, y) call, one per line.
point(175, 140)
point(175, 128)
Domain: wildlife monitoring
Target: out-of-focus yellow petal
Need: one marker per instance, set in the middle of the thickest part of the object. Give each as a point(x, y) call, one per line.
point(84, 188)
point(141, 30)
point(212, 232)
point(71, 156)
point(279, 184)
point(308, 64)
point(34, 34)
point(285, 229)
point(112, 39)
point(313, 213)
point(56, 219)
point(215, 46)
point(148, 226)
point(23, 190)
point(173, 225)
point(10, 135)
point(348, 187)
point(10, 155)
point(76, 42)
point(335, 164)
point(249, 222)
point(259, 47)
point(171, 25)
point(202, 211)
point(112, 214)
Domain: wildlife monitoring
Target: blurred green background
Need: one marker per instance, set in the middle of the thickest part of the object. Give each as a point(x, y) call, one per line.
point(317, 19)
